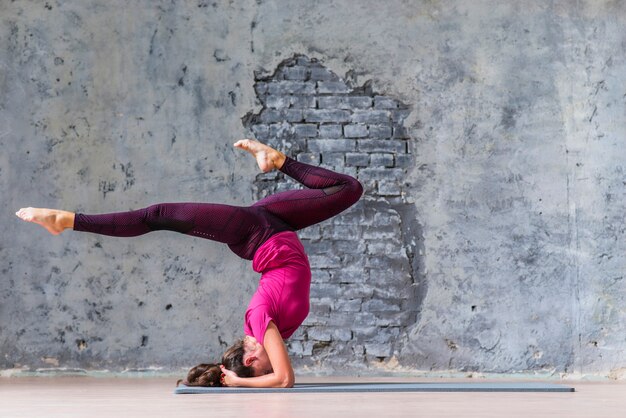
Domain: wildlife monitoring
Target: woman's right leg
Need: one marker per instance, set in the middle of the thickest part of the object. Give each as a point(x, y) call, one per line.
point(239, 227)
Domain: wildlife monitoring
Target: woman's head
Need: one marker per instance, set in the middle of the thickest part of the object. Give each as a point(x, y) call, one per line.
point(248, 357)
point(256, 357)
point(233, 359)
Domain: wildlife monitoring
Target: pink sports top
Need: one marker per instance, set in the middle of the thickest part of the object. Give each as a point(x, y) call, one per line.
point(283, 293)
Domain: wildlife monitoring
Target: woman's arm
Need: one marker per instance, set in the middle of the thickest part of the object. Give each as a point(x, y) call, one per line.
point(282, 376)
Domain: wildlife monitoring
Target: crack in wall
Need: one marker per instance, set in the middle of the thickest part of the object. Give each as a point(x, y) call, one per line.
point(368, 280)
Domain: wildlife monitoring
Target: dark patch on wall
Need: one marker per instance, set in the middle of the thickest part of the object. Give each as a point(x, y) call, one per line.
point(368, 283)
point(181, 80)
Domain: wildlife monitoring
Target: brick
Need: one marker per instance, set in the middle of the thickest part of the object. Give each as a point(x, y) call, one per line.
point(295, 73)
point(345, 247)
point(352, 305)
point(322, 74)
point(377, 247)
point(261, 131)
point(325, 290)
point(385, 335)
point(383, 102)
point(377, 173)
point(404, 160)
point(354, 216)
point(313, 319)
point(382, 305)
point(389, 189)
point(331, 145)
point(351, 171)
point(294, 115)
point(331, 131)
point(305, 61)
point(277, 102)
point(349, 321)
point(341, 231)
point(325, 261)
point(385, 319)
point(320, 275)
point(381, 159)
point(299, 335)
point(312, 232)
point(358, 102)
point(364, 333)
point(330, 102)
point(321, 306)
point(370, 116)
point(386, 218)
point(381, 232)
point(377, 350)
point(332, 87)
point(271, 115)
point(326, 115)
point(319, 247)
point(357, 159)
point(369, 186)
point(302, 102)
point(309, 158)
point(333, 159)
point(380, 131)
point(400, 132)
point(291, 87)
point(269, 176)
point(342, 334)
point(376, 145)
point(260, 88)
point(355, 131)
point(300, 348)
point(319, 334)
point(307, 130)
point(385, 263)
point(349, 275)
point(356, 291)
point(281, 130)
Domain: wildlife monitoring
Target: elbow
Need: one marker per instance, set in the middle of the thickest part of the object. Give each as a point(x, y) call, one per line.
point(287, 382)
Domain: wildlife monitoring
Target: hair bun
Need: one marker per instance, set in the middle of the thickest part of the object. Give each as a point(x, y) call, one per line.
point(205, 374)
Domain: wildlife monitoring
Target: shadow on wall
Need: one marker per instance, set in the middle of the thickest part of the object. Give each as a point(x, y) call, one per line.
point(368, 283)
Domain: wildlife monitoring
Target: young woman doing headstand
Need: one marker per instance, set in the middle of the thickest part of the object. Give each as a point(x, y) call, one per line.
point(263, 233)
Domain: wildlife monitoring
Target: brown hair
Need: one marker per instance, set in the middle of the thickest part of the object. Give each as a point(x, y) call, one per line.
point(209, 374)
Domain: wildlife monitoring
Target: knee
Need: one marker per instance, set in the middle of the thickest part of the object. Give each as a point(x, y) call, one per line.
point(354, 189)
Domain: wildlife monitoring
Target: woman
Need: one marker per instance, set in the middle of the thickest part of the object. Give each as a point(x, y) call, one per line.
point(263, 233)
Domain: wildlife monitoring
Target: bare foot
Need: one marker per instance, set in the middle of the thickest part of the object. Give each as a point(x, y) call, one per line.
point(55, 221)
point(266, 157)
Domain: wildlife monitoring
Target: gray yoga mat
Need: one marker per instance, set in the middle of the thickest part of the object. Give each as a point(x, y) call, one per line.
point(388, 387)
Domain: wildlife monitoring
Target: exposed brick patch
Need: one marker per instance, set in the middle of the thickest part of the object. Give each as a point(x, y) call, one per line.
point(367, 286)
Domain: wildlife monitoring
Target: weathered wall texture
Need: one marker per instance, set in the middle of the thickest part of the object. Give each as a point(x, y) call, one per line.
point(489, 136)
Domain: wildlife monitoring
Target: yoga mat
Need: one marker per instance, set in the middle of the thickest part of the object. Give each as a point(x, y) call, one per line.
point(388, 387)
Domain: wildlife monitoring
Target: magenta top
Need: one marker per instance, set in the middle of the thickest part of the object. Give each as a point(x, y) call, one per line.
point(283, 293)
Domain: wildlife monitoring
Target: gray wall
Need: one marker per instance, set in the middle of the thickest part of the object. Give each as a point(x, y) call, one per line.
point(501, 219)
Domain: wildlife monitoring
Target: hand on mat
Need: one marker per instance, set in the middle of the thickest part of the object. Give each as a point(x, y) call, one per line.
point(230, 377)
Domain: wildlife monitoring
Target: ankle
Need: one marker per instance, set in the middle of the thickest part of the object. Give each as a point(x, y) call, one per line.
point(278, 160)
point(66, 220)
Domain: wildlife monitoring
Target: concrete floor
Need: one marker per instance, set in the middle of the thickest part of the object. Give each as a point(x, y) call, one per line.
point(152, 397)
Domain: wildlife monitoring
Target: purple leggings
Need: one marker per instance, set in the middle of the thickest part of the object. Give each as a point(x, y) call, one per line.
point(244, 229)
